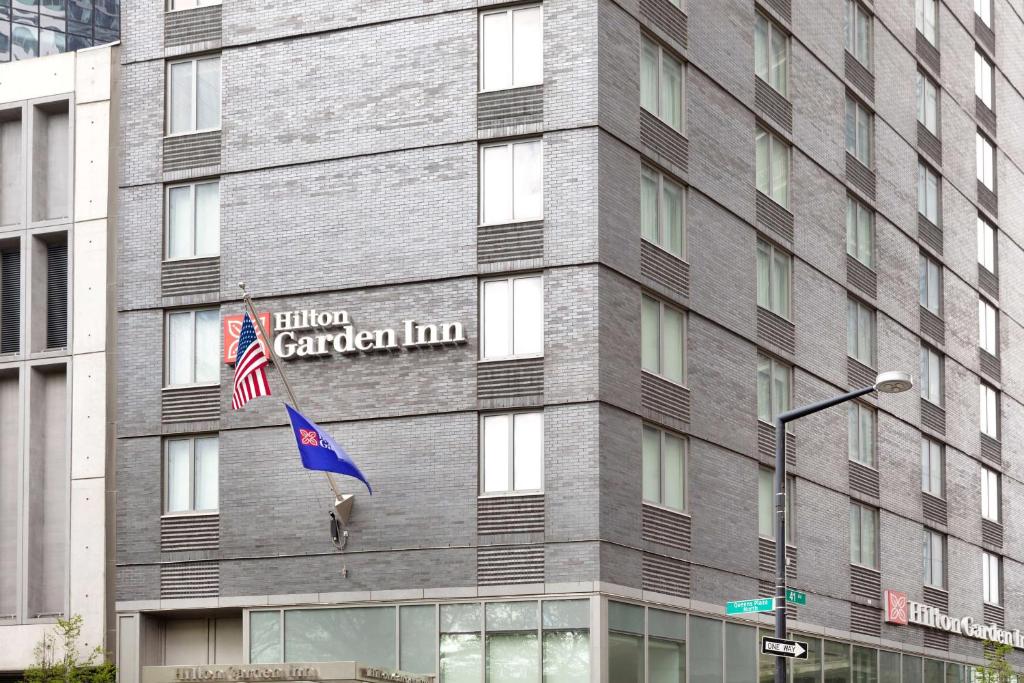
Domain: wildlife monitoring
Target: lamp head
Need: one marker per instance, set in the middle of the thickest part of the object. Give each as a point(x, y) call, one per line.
point(893, 382)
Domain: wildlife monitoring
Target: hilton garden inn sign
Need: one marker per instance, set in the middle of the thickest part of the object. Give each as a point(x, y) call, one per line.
point(899, 610)
point(311, 333)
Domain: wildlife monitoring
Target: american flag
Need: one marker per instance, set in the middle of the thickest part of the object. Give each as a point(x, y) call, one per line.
point(250, 377)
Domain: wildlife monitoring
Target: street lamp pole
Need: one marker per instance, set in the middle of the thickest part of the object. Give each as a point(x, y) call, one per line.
point(886, 382)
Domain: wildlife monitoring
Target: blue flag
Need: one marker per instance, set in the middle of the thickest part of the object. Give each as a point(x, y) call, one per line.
point(319, 451)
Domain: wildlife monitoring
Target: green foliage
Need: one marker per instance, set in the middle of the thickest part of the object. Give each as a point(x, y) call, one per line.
point(997, 669)
point(57, 659)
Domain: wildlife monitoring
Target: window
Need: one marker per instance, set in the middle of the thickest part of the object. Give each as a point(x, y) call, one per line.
point(933, 473)
point(934, 559)
point(774, 382)
point(861, 434)
point(193, 95)
point(666, 647)
point(625, 643)
point(983, 78)
point(189, 4)
point(193, 220)
point(931, 375)
point(513, 452)
point(863, 535)
point(511, 48)
point(858, 131)
point(858, 32)
point(512, 182)
point(927, 193)
point(662, 84)
point(513, 317)
point(860, 232)
point(662, 211)
point(766, 505)
point(190, 474)
point(772, 167)
point(989, 412)
point(664, 468)
point(860, 332)
point(927, 103)
point(771, 54)
point(512, 640)
point(983, 8)
point(991, 583)
point(774, 275)
point(193, 347)
point(990, 495)
point(987, 240)
point(663, 339)
point(925, 12)
point(988, 334)
point(986, 161)
point(931, 284)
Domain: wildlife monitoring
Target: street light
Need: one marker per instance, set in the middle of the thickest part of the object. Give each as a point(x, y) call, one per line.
point(893, 382)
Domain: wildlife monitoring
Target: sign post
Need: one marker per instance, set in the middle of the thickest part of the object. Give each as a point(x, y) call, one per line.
point(780, 647)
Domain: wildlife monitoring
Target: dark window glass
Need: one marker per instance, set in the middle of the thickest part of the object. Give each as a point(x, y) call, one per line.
point(27, 18)
point(80, 10)
point(55, 8)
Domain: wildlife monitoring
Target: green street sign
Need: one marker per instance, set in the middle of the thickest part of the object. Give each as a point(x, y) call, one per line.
point(749, 606)
point(796, 597)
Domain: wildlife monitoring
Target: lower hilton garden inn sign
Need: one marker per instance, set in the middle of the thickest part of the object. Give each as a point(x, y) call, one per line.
point(899, 610)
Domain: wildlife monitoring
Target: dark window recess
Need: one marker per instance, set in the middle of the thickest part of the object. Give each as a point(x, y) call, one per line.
point(56, 296)
point(10, 301)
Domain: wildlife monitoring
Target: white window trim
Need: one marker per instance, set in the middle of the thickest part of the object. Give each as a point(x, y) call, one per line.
point(662, 433)
point(682, 81)
point(776, 30)
point(790, 511)
point(167, 349)
point(986, 145)
point(929, 535)
point(771, 386)
point(199, 3)
point(859, 9)
point(984, 230)
point(683, 191)
point(991, 71)
point(195, 95)
point(985, 389)
point(928, 82)
point(191, 511)
point(859, 109)
point(988, 4)
point(772, 249)
point(918, 11)
point(928, 352)
point(511, 455)
point(985, 306)
point(872, 317)
point(860, 407)
point(942, 467)
point(878, 544)
point(773, 140)
point(661, 335)
point(480, 181)
point(985, 472)
point(858, 208)
point(925, 260)
point(985, 555)
point(930, 172)
point(510, 279)
point(167, 218)
point(480, 49)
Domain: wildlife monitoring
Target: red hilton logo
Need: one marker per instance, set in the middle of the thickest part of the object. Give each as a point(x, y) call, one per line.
point(896, 607)
point(233, 328)
point(309, 437)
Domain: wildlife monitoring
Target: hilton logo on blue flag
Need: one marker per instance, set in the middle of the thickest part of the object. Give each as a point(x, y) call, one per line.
point(319, 451)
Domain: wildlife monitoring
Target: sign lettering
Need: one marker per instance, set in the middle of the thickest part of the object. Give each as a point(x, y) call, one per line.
point(902, 611)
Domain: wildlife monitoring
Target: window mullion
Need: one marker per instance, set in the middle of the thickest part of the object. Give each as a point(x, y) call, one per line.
point(510, 284)
point(195, 222)
point(191, 475)
point(511, 446)
point(195, 95)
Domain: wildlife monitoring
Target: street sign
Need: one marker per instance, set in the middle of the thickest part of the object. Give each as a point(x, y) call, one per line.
point(778, 647)
point(796, 597)
point(750, 606)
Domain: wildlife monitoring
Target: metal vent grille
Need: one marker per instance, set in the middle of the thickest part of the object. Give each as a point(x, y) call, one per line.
point(664, 398)
point(863, 479)
point(664, 270)
point(190, 580)
point(992, 533)
point(510, 514)
point(192, 276)
point(991, 449)
point(183, 152)
point(774, 330)
point(766, 444)
point(936, 597)
point(988, 282)
point(772, 105)
point(501, 565)
point(936, 639)
point(666, 17)
point(861, 277)
point(517, 107)
point(860, 176)
point(859, 375)
point(56, 296)
point(934, 509)
point(666, 527)
point(994, 614)
point(990, 364)
point(666, 575)
point(10, 301)
point(773, 217)
point(865, 620)
point(510, 378)
point(988, 200)
point(192, 26)
point(929, 234)
point(190, 532)
point(513, 242)
point(929, 144)
point(190, 404)
point(933, 417)
point(932, 326)
point(858, 76)
point(928, 53)
point(664, 140)
point(865, 583)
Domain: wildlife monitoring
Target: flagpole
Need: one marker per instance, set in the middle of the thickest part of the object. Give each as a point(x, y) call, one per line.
point(280, 369)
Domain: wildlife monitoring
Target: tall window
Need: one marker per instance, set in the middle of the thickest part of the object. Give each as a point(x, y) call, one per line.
point(987, 244)
point(774, 277)
point(772, 166)
point(664, 468)
point(931, 375)
point(191, 474)
point(766, 505)
point(193, 95)
point(860, 332)
point(926, 19)
point(513, 452)
point(861, 434)
point(860, 232)
point(511, 48)
point(983, 78)
point(858, 32)
point(990, 565)
point(989, 411)
point(933, 473)
point(662, 84)
point(927, 193)
point(927, 103)
point(988, 327)
point(662, 211)
point(934, 558)
point(863, 535)
point(663, 339)
point(513, 317)
point(193, 347)
point(858, 131)
point(930, 284)
point(512, 182)
point(983, 8)
point(771, 54)
point(774, 383)
point(986, 158)
point(193, 220)
point(990, 495)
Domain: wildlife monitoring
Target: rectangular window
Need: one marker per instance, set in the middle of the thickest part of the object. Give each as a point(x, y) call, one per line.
point(662, 83)
point(193, 347)
point(774, 382)
point(771, 54)
point(193, 220)
point(662, 211)
point(991, 582)
point(663, 339)
point(927, 103)
point(988, 327)
point(926, 12)
point(983, 8)
point(189, 4)
point(990, 495)
point(772, 156)
point(860, 332)
point(513, 317)
point(193, 95)
point(858, 131)
point(511, 48)
point(986, 163)
point(858, 32)
point(983, 78)
point(57, 294)
point(933, 473)
point(511, 642)
point(927, 193)
point(766, 505)
point(511, 182)
point(460, 643)
point(863, 535)
point(861, 430)
point(989, 411)
point(513, 452)
point(934, 559)
point(664, 468)
point(666, 648)
point(10, 299)
point(931, 285)
point(191, 474)
point(774, 277)
point(860, 232)
point(931, 375)
point(987, 240)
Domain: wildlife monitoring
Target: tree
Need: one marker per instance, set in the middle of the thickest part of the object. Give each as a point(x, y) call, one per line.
point(70, 667)
point(997, 669)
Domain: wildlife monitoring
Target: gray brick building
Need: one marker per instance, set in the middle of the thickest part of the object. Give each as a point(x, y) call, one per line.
point(656, 224)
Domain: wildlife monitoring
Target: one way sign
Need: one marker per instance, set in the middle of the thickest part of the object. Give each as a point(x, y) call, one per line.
point(783, 648)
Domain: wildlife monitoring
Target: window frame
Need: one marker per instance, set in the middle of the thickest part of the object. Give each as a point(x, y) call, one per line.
point(986, 11)
point(167, 347)
point(875, 516)
point(928, 456)
point(482, 457)
point(662, 305)
point(991, 563)
point(984, 79)
point(481, 179)
point(985, 420)
point(773, 364)
point(774, 140)
point(851, 30)
point(664, 233)
point(192, 185)
point(990, 478)
point(928, 579)
point(985, 158)
point(924, 277)
point(197, 5)
point(988, 236)
point(773, 250)
point(924, 83)
point(790, 509)
point(925, 173)
point(166, 487)
point(859, 209)
point(773, 33)
point(927, 352)
point(168, 103)
point(512, 57)
point(645, 37)
point(860, 110)
point(854, 441)
point(921, 20)
point(510, 280)
point(985, 308)
point(860, 310)
point(664, 434)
